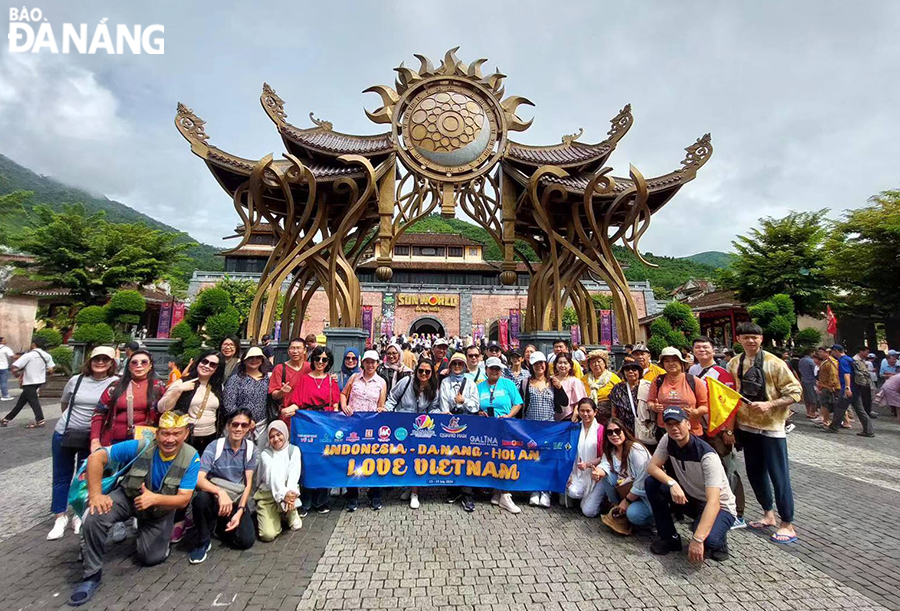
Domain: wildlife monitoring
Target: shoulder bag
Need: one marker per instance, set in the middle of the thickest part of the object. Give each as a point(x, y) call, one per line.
point(76, 440)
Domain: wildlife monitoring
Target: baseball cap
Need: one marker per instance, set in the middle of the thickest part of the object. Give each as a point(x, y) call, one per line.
point(440, 342)
point(837, 347)
point(370, 354)
point(893, 353)
point(513, 352)
point(632, 365)
point(459, 356)
point(674, 413)
point(103, 351)
point(494, 344)
point(493, 362)
point(537, 357)
point(871, 356)
point(640, 348)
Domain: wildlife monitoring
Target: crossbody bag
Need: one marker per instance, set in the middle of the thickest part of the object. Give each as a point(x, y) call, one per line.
point(80, 439)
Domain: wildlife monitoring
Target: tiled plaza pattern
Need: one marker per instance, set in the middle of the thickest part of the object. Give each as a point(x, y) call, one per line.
point(848, 505)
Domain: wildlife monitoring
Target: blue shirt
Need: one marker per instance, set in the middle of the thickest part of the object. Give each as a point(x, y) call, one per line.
point(845, 365)
point(126, 451)
point(886, 367)
point(505, 394)
point(807, 369)
point(230, 465)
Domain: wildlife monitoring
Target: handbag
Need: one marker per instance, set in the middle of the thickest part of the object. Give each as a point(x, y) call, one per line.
point(199, 413)
point(644, 428)
point(78, 490)
point(235, 491)
point(76, 440)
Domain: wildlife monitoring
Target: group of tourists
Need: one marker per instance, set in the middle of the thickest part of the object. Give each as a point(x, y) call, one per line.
point(220, 462)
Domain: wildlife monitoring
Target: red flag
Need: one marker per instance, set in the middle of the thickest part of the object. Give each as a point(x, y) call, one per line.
point(832, 320)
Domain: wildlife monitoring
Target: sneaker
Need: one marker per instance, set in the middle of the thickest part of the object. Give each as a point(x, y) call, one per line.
point(303, 512)
point(376, 504)
point(661, 547)
point(468, 504)
point(76, 525)
point(6, 398)
point(352, 505)
point(119, 532)
point(200, 554)
point(323, 509)
point(495, 499)
point(59, 528)
point(865, 434)
point(739, 523)
point(535, 500)
point(506, 503)
point(873, 415)
point(405, 495)
point(295, 522)
point(719, 555)
point(545, 500)
point(413, 501)
point(453, 496)
point(178, 532)
point(787, 429)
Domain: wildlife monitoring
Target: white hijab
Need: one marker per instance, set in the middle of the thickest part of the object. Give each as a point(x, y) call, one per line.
point(275, 466)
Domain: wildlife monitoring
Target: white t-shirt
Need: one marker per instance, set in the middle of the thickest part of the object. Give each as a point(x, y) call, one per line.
point(5, 354)
point(35, 364)
point(85, 401)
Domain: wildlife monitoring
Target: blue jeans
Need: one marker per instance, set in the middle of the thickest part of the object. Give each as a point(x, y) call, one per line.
point(4, 382)
point(660, 499)
point(64, 461)
point(639, 512)
point(766, 459)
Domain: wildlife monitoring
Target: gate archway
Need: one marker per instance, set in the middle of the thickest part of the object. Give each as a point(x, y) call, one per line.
point(427, 324)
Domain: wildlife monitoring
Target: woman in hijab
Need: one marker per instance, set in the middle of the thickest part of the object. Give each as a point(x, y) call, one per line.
point(278, 495)
point(349, 366)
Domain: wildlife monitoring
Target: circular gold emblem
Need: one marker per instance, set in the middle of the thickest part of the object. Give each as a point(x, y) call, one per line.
point(449, 129)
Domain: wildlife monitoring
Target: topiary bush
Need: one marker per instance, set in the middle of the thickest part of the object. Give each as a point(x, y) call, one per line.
point(63, 356)
point(189, 343)
point(221, 325)
point(807, 338)
point(94, 334)
point(50, 335)
point(209, 302)
point(676, 327)
point(125, 307)
point(91, 315)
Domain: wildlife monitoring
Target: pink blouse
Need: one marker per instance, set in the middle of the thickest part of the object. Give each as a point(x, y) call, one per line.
point(364, 394)
point(574, 388)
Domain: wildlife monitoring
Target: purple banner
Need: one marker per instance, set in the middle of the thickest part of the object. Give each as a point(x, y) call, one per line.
point(615, 329)
point(276, 332)
point(606, 327)
point(367, 320)
point(479, 331)
point(165, 321)
point(514, 328)
point(576, 334)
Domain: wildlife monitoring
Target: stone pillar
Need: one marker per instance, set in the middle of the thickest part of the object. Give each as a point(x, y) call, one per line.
point(465, 314)
point(339, 339)
point(78, 354)
point(543, 340)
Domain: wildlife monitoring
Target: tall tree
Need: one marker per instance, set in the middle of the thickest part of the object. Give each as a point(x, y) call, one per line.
point(783, 255)
point(11, 204)
point(864, 256)
point(92, 256)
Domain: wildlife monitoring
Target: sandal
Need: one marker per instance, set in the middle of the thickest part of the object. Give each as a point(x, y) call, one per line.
point(757, 525)
point(35, 425)
point(783, 539)
point(83, 592)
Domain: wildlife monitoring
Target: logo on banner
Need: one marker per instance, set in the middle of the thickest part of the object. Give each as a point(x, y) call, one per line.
point(532, 444)
point(370, 434)
point(401, 434)
point(512, 443)
point(423, 427)
point(454, 427)
point(338, 435)
point(353, 436)
point(483, 440)
point(384, 433)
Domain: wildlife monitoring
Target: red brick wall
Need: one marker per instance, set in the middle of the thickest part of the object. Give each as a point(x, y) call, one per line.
point(638, 297)
point(488, 308)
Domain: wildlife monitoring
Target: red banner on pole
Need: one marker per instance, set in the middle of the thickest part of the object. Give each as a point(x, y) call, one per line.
point(177, 313)
point(503, 332)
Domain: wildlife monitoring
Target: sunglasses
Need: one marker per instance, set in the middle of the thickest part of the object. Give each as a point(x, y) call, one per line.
point(611, 432)
point(472, 356)
point(239, 425)
point(426, 372)
point(347, 358)
point(209, 363)
point(102, 359)
point(140, 363)
point(321, 359)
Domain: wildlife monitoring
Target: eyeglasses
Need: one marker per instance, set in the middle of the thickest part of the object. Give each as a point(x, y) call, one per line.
point(140, 363)
point(321, 359)
point(423, 372)
point(239, 425)
point(611, 432)
point(209, 363)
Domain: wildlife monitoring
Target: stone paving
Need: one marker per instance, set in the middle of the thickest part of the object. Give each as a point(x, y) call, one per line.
point(848, 503)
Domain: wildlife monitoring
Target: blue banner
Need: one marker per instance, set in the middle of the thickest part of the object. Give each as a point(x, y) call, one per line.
point(397, 449)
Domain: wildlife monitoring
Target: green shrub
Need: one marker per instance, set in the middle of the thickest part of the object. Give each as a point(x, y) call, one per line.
point(51, 336)
point(128, 319)
point(63, 357)
point(91, 315)
point(807, 338)
point(94, 335)
point(220, 325)
point(209, 302)
point(127, 302)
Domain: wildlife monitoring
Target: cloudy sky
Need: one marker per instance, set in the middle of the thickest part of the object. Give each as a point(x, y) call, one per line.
point(800, 97)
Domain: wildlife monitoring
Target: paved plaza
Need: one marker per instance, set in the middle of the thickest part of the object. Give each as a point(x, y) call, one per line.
point(848, 504)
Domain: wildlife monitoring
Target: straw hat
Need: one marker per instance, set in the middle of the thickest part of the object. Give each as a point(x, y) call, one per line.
point(671, 351)
point(598, 354)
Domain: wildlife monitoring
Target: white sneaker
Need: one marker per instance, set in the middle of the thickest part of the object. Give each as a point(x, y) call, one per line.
point(118, 532)
point(295, 522)
point(506, 503)
point(535, 500)
point(495, 500)
point(405, 495)
point(414, 501)
point(76, 525)
point(59, 528)
point(545, 499)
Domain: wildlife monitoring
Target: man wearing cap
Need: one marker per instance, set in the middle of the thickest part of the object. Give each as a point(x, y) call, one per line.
point(700, 487)
point(495, 350)
point(161, 479)
point(769, 389)
point(439, 356)
point(850, 395)
point(642, 357)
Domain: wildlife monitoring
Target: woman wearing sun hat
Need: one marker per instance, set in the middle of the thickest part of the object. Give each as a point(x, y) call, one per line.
point(249, 387)
point(678, 389)
point(599, 381)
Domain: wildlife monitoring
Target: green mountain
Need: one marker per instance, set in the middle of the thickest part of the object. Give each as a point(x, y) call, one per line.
point(669, 273)
point(54, 194)
point(712, 258)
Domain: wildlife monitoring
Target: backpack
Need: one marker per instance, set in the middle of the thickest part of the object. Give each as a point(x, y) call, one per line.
point(691, 380)
point(220, 447)
point(860, 373)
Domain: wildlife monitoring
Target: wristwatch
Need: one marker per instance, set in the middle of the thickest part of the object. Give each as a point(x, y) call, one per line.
point(730, 433)
point(671, 483)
